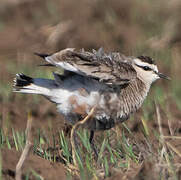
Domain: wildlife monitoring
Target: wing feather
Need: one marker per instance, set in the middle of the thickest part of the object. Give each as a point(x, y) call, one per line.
point(112, 68)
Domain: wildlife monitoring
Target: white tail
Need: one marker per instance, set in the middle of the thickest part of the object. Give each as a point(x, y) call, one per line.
point(26, 84)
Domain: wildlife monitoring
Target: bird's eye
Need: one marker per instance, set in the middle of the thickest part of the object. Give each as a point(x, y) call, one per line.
point(146, 68)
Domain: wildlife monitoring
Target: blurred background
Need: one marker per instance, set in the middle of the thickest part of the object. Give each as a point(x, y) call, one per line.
point(137, 27)
point(151, 28)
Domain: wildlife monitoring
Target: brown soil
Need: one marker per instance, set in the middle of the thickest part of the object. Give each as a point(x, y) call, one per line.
point(41, 166)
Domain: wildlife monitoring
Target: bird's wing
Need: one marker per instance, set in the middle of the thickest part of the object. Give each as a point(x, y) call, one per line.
point(112, 68)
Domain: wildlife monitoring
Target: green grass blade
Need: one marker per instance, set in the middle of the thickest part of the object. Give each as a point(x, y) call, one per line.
point(64, 146)
point(15, 140)
point(106, 166)
point(8, 143)
point(85, 140)
point(111, 154)
point(102, 149)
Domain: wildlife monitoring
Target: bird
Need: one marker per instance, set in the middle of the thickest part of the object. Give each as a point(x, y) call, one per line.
point(114, 84)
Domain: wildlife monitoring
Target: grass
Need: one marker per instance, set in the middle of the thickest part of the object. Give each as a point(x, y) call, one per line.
point(118, 156)
point(85, 157)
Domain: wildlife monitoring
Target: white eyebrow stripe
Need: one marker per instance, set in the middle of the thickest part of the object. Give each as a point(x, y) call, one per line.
point(141, 63)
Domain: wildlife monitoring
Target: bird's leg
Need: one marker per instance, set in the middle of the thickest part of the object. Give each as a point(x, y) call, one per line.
point(91, 140)
point(73, 134)
point(91, 137)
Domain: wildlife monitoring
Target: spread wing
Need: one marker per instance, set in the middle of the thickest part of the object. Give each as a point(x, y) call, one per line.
point(112, 68)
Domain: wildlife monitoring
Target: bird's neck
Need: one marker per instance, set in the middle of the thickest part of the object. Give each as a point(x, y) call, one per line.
point(133, 96)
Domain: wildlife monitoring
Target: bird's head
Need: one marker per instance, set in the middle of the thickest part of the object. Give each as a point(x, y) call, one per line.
point(147, 70)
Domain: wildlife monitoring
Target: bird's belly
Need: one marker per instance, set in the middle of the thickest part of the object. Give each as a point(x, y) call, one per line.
point(76, 105)
point(77, 102)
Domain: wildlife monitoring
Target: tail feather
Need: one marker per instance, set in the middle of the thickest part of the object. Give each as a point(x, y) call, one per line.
point(26, 84)
point(22, 80)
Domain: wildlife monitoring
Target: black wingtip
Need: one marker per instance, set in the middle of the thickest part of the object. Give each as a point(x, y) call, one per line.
point(22, 80)
point(41, 55)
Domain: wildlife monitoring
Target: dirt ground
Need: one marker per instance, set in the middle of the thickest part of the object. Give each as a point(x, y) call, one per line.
point(43, 167)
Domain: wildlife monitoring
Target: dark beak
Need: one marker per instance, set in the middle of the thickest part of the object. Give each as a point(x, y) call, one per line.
point(163, 76)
